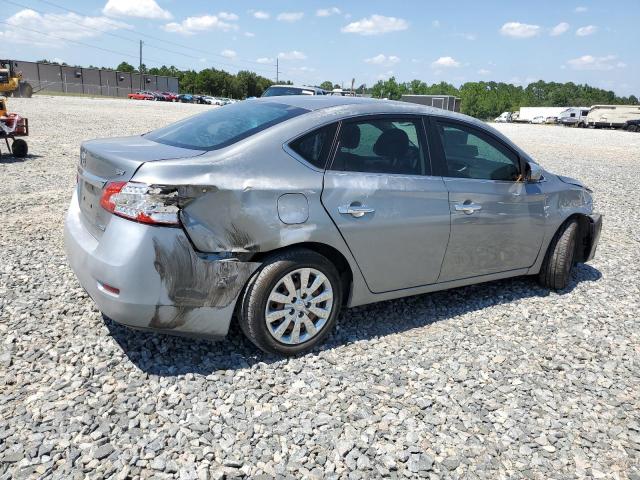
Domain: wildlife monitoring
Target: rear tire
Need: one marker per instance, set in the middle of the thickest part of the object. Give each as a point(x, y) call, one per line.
point(559, 260)
point(19, 148)
point(291, 317)
point(632, 128)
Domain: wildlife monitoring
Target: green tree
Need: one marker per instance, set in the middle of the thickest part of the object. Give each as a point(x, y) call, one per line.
point(326, 85)
point(125, 67)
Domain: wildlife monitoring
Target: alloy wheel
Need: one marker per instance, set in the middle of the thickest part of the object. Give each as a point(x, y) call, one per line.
point(299, 306)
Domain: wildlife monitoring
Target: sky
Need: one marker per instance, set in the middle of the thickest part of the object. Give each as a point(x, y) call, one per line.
point(516, 42)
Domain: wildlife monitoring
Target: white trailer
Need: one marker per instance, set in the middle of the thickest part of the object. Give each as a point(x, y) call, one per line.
point(574, 117)
point(527, 114)
point(612, 116)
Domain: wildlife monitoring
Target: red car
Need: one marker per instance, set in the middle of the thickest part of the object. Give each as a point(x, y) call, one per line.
point(141, 96)
point(171, 97)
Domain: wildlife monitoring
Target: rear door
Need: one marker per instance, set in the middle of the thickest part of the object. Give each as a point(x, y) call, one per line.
point(497, 220)
point(391, 211)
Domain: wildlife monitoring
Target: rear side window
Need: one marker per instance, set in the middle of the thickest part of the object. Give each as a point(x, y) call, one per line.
point(381, 145)
point(221, 127)
point(314, 147)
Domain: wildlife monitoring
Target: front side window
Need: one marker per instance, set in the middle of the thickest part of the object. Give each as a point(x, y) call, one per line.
point(381, 145)
point(222, 127)
point(469, 153)
point(314, 147)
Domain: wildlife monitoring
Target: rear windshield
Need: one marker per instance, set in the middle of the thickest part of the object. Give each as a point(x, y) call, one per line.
point(280, 91)
point(223, 126)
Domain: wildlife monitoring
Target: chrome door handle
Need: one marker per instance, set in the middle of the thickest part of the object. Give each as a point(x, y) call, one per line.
point(467, 208)
point(354, 210)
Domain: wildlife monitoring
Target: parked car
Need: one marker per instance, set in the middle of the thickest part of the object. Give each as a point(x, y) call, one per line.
point(504, 117)
point(286, 209)
point(141, 96)
point(551, 120)
point(538, 120)
point(632, 125)
point(281, 90)
point(185, 98)
point(171, 97)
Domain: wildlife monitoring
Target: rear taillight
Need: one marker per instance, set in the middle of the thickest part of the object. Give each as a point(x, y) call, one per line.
point(141, 202)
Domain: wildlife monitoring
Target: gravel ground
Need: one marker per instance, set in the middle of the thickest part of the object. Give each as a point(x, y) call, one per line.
point(502, 380)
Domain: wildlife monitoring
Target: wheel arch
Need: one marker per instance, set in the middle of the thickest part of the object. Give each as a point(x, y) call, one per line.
point(330, 253)
point(583, 243)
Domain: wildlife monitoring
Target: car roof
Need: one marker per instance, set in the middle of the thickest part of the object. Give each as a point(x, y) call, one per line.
point(358, 105)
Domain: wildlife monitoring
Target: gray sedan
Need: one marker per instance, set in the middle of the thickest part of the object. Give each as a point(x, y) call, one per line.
point(281, 211)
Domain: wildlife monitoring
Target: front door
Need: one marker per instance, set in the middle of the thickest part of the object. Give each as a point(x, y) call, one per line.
point(393, 215)
point(497, 219)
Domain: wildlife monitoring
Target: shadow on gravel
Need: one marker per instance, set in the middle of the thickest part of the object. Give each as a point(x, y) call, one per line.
point(8, 158)
point(166, 355)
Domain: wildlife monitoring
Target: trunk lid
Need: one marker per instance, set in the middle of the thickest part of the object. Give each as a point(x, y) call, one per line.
point(115, 160)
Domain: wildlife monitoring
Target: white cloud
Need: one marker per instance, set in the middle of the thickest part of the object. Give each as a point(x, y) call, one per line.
point(519, 30)
point(260, 15)
point(327, 12)
point(588, 30)
point(559, 29)
point(448, 62)
point(249, 34)
point(229, 53)
point(580, 9)
point(467, 36)
point(290, 16)
point(230, 17)
point(484, 71)
point(60, 26)
point(382, 59)
point(265, 60)
point(376, 25)
point(193, 25)
point(136, 8)
point(590, 62)
point(292, 55)
point(435, 24)
point(302, 69)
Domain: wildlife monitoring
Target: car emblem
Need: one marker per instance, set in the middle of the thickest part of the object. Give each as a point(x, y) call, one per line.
point(119, 172)
point(83, 158)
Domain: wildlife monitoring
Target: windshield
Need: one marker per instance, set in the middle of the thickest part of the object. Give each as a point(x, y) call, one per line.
point(222, 127)
point(279, 91)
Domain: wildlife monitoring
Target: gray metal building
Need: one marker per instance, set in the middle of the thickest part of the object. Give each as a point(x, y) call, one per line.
point(47, 77)
point(446, 102)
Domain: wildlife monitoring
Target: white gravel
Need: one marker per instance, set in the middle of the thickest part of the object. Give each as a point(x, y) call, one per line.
point(502, 380)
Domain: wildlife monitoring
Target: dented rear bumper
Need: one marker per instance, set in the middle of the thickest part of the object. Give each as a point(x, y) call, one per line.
point(163, 283)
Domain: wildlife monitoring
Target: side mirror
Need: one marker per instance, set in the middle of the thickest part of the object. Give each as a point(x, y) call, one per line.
point(534, 172)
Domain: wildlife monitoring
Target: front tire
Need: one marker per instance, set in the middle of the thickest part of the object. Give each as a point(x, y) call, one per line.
point(292, 303)
point(555, 272)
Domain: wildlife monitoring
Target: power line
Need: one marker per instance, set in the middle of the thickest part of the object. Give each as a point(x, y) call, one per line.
point(50, 35)
point(93, 30)
point(106, 20)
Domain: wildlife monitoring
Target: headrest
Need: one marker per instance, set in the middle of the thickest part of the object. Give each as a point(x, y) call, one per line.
point(350, 135)
point(392, 143)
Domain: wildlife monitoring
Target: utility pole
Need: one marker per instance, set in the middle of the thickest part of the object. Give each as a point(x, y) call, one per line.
point(140, 66)
point(277, 71)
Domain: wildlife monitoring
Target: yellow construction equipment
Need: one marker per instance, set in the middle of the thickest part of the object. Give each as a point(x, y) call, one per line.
point(11, 82)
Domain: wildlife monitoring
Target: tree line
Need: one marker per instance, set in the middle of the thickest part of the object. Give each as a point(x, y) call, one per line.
point(490, 99)
point(478, 99)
